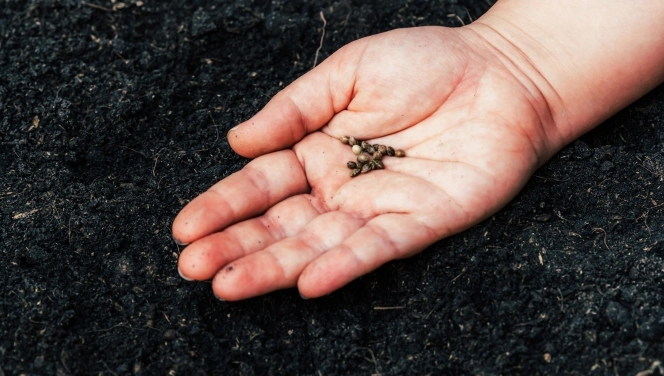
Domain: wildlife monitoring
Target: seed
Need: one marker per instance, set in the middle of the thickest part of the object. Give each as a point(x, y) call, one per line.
point(365, 145)
point(363, 158)
point(370, 149)
point(352, 165)
point(399, 153)
point(355, 172)
point(357, 149)
point(344, 140)
point(382, 149)
point(352, 141)
point(377, 164)
point(367, 167)
point(377, 156)
point(375, 146)
point(390, 151)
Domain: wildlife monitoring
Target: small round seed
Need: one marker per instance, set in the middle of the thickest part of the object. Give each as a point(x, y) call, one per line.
point(363, 158)
point(377, 164)
point(352, 165)
point(364, 145)
point(377, 156)
point(370, 149)
point(357, 149)
point(390, 151)
point(355, 172)
point(399, 153)
point(366, 168)
point(352, 141)
point(375, 146)
point(344, 139)
point(382, 149)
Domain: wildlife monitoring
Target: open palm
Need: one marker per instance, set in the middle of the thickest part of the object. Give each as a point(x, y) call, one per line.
point(473, 128)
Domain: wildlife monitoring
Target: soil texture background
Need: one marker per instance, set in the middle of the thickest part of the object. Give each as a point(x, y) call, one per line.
point(113, 116)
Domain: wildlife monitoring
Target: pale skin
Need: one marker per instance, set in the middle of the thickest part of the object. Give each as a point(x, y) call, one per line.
point(477, 109)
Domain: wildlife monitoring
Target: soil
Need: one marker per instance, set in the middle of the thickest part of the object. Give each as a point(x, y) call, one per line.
point(113, 116)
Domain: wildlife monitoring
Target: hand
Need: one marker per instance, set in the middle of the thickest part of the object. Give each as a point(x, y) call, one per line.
point(474, 128)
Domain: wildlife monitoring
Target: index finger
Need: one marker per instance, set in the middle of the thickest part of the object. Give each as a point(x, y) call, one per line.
point(304, 106)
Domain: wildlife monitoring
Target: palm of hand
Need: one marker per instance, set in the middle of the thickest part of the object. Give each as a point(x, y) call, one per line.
point(467, 124)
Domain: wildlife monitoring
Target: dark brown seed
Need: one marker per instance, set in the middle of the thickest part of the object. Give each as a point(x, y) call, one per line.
point(344, 140)
point(365, 145)
point(352, 165)
point(390, 151)
point(370, 149)
point(377, 164)
point(352, 141)
point(355, 172)
point(399, 153)
point(377, 156)
point(382, 149)
point(363, 158)
point(367, 167)
point(375, 146)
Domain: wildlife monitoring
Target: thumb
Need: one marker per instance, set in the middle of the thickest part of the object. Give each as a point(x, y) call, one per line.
point(304, 106)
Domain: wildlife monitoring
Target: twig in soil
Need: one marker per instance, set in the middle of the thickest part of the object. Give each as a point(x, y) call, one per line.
point(135, 151)
point(388, 308)
point(457, 17)
point(122, 324)
point(345, 22)
point(96, 6)
point(216, 127)
point(596, 229)
point(156, 158)
point(457, 277)
point(562, 308)
point(322, 37)
point(63, 357)
point(469, 17)
point(107, 368)
point(373, 357)
point(656, 366)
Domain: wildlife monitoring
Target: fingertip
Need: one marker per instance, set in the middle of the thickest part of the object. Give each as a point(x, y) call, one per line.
point(179, 242)
point(279, 125)
point(217, 296)
point(315, 282)
point(183, 276)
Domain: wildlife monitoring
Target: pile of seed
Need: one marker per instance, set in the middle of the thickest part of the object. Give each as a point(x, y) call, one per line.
point(369, 157)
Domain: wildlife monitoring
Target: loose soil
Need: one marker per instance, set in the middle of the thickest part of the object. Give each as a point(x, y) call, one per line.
point(113, 116)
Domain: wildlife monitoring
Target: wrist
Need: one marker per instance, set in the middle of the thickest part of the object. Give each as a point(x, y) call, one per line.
point(582, 62)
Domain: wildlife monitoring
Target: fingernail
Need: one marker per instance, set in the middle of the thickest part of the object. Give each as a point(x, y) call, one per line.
point(234, 128)
point(183, 277)
point(179, 242)
point(218, 298)
point(303, 297)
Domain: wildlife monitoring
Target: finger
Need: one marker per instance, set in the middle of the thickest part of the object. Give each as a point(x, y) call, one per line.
point(249, 192)
point(279, 265)
point(204, 258)
point(301, 108)
point(382, 239)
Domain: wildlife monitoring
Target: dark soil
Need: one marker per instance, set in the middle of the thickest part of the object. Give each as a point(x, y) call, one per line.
point(112, 118)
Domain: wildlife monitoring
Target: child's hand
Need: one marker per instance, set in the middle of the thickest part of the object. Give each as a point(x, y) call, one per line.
point(477, 110)
point(472, 131)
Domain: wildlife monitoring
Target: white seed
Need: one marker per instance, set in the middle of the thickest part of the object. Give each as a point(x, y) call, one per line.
point(357, 149)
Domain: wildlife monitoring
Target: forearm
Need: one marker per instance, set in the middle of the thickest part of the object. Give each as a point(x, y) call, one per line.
point(589, 59)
